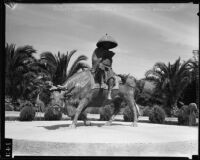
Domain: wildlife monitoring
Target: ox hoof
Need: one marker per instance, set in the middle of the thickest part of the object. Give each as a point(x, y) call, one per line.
point(107, 123)
point(72, 126)
point(88, 123)
point(134, 124)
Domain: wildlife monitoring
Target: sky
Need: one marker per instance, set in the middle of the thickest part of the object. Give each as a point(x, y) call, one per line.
point(145, 33)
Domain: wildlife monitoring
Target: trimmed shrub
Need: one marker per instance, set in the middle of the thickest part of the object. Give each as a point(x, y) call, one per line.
point(105, 112)
point(128, 116)
point(70, 111)
point(157, 115)
point(146, 111)
point(52, 113)
point(92, 110)
point(27, 112)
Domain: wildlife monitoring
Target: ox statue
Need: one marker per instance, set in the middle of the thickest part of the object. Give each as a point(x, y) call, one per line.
point(82, 91)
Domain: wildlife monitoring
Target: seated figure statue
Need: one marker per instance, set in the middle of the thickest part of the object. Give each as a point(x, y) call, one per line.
point(102, 65)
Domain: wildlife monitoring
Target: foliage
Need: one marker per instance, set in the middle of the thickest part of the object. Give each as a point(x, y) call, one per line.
point(157, 115)
point(146, 111)
point(44, 95)
point(189, 94)
point(8, 104)
point(57, 65)
point(170, 81)
point(128, 115)
point(52, 114)
point(145, 94)
point(24, 103)
point(22, 73)
point(27, 112)
point(9, 107)
point(105, 112)
point(139, 89)
point(92, 110)
point(70, 110)
point(17, 69)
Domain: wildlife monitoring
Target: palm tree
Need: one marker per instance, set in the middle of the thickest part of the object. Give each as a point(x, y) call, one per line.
point(170, 81)
point(191, 92)
point(17, 69)
point(58, 65)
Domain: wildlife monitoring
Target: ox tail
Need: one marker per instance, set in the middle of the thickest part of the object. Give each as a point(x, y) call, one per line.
point(138, 110)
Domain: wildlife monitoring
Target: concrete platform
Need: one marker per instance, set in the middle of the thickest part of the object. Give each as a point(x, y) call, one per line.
point(54, 138)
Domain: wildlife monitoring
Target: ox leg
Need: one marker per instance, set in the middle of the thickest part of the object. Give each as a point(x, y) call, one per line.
point(83, 116)
point(131, 103)
point(86, 122)
point(108, 123)
point(117, 103)
point(83, 103)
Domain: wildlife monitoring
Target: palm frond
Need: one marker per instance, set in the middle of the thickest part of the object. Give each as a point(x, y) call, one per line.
point(76, 65)
point(69, 55)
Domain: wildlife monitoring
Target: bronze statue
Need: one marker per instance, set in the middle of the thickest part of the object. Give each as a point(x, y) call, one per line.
point(79, 91)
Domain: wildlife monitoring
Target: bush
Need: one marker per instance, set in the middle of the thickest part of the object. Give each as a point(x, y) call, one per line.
point(27, 112)
point(106, 112)
point(70, 111)
point(8, 104)
point(157, 115)
point(52, 113)
point(128, 116)
point(92, 110)
point(146, 111)
point(9, 107)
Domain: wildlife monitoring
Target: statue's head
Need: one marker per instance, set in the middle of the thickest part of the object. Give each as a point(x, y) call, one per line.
point(106, 42)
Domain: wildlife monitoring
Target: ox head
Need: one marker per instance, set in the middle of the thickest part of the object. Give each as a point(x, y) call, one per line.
point(58, 97)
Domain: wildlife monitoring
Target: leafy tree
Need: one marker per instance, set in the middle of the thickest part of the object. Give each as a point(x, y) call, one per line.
point(58, 65)
point(157, 114)
point(191, 92)
point(145, 94)
point(17, 69)
point(170, 81)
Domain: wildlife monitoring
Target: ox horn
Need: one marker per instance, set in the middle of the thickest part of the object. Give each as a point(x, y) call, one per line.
point(61, 87)
point(53, 88)
point(58, 88)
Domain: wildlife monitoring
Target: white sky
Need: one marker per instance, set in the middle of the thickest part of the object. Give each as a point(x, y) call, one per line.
point(146, 33)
